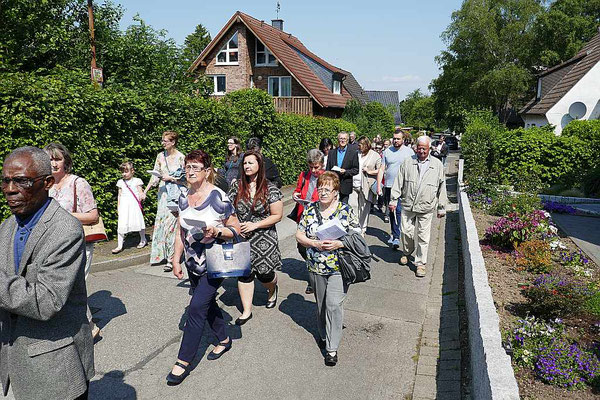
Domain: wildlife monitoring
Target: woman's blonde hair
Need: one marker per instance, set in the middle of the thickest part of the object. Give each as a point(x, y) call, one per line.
point(172, 135)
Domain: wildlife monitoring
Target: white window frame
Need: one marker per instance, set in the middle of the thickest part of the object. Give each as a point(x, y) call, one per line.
point(266, 52)
point(214, 78)
point(227, 50)
point(279, 78)
point(337, 89)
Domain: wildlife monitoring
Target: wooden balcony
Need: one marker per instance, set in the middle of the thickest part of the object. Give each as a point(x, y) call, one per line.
point(294, 105)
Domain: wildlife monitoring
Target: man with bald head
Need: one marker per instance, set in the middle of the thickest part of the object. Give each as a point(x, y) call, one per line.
point(46, 343)
point(421, 187)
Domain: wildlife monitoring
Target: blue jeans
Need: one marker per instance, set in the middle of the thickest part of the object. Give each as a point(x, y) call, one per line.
point(395, 218)
point(203, 307)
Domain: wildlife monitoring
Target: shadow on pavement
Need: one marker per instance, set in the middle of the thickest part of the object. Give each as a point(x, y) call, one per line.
point(112, 386)
point(295, 269)
point(301, 311)
point(105, 307)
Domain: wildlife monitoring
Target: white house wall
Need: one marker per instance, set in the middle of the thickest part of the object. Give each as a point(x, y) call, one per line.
point(534, 120)
point(587, 91)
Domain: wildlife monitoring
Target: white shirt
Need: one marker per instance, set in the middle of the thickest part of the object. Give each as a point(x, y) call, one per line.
point(356, 179)
point(422, 166)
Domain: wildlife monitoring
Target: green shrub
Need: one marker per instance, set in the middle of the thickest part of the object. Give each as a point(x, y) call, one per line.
point(553, 295)
point(478, 144)
point(506, 203)
point(592, 305)
point(101, 127)
point(591, 182)
point(573, 192)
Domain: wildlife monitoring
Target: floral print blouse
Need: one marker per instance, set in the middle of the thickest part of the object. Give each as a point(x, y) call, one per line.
point(64, 195)
point(324, 262)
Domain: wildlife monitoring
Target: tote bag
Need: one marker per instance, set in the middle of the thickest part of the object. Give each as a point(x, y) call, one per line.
point(94, 232)
point(226, 259)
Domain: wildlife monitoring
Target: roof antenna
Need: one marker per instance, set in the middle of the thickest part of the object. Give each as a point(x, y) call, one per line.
point(278, 8)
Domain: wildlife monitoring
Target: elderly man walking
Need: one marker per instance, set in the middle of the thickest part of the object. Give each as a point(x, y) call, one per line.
point(47, 350)
point(421, 187)
point(344, 161)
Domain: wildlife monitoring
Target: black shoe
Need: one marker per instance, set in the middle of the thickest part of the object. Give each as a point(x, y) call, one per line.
point(330, 360)
point(241, 321)
point(215, 356)
point(273, 303)
point(173, 379)
point(309, 290)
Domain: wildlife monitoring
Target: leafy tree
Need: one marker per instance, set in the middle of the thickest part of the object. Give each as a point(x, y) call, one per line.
point(194, 44)
point(418, 110)
point(370, 119)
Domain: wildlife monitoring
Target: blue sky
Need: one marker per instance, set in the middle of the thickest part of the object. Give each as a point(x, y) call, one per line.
point(387, 45)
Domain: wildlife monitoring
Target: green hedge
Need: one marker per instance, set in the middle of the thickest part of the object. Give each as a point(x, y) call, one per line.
point(102, 127)
point(533, 158)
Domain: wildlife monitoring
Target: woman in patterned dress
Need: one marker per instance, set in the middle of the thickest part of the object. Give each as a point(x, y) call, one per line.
point(163, 237)
point(322, 261)
point(259, 207)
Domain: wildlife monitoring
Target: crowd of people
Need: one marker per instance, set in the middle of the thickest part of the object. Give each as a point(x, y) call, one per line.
point(44, 296)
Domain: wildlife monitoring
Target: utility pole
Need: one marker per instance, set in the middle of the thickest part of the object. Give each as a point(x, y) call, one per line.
point(96, 73)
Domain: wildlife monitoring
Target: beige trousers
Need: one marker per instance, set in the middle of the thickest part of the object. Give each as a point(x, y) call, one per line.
point(416, 226)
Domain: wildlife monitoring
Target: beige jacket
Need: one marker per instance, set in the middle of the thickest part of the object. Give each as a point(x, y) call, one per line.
point(372, 162)
point(420, 197)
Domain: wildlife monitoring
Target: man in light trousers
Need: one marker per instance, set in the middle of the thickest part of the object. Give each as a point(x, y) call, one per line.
point(421, 187)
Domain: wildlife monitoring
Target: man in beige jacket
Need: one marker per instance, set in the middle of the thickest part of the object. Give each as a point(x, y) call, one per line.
point(421, 187)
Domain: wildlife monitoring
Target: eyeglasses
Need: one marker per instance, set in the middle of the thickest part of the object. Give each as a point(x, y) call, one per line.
point(22, 182)
point(194, 168)
point(323, 190)
point(230, 142)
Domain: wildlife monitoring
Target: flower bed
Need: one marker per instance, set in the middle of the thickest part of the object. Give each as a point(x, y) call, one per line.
point(547, 298)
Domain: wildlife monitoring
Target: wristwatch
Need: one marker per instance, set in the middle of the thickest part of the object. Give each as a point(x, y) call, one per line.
point(219, 234)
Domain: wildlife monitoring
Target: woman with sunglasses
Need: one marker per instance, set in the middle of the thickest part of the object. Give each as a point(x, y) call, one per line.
point(322, 261)
point(259, 207)
point(212, 209)
point(167, 163)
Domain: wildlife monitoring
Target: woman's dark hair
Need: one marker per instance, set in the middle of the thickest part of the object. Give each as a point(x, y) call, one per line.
point(325, 142)
point(238, 149)
point(254, 143)
point(58, 150)
point(262, 187)
point(200, 156)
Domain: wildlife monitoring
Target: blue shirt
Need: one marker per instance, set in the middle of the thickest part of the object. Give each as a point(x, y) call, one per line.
point(340, 156)
point(24, 228)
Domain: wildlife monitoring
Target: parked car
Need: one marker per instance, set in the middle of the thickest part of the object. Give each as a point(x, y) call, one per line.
point(452, 142)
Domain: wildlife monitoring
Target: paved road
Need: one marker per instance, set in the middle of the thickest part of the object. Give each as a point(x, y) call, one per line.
point(585, 232)
point(392, 325)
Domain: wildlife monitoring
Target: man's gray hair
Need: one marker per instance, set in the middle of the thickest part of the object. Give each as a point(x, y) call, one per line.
point(315, 156)
point(424, 139)
point(41, 160)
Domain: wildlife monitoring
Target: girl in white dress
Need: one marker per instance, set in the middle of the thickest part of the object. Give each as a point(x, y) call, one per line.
point(131, 218)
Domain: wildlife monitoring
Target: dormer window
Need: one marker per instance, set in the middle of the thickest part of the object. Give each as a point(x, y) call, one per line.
point(264, 58)
point(228, 55)
point(337, 87)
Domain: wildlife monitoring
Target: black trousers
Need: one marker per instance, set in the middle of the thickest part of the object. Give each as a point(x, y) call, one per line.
point(344, 198)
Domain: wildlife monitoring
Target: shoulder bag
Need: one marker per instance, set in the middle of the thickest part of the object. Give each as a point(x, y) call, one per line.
point(173, 189)
point(226, 259)
point(135, 197)
point(94, 232)
point(293, 215)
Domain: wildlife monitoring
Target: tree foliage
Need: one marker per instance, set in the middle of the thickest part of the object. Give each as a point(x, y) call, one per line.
point(370, 119)
point(495, 48)
point(418, 110)
point(194, 44)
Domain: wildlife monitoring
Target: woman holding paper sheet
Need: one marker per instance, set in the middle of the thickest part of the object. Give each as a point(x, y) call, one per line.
point(205, 214)
point(163, 237)
point(322, 261)
point(259, 207)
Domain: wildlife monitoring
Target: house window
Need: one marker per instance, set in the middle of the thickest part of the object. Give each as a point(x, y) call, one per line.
point(280, 86)
point(228, 55)
point(337, 87)
point(219, 84)
point(264, 56)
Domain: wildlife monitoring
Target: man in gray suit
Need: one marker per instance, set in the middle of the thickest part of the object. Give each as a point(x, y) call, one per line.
point(46, 349)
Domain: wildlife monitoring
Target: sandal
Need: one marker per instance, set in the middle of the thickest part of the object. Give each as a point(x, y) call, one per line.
point(117, 250)
point(142, 245)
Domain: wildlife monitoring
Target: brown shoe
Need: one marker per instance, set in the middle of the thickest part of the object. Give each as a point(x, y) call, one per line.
point(403, 260)
point(420, 271)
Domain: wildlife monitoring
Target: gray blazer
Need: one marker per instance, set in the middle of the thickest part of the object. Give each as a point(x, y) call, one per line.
point(46, 349)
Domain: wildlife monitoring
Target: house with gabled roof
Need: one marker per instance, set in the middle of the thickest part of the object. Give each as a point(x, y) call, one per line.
point(249, 53)
point(568, 91)
point(389, 98)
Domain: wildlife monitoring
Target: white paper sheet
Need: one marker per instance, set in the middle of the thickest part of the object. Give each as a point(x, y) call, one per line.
point(330, 230)
point(336, 169)
point(303, 201)
point(195, 222)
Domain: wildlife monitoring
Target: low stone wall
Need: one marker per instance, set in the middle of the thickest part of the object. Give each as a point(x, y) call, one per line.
point(568, 200)
point(492, 376)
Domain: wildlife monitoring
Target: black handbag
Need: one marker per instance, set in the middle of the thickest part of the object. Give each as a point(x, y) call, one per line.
point(293, 215)
point(354, 259)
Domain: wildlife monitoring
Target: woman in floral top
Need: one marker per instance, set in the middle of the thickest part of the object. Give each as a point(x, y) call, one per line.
point(322, 261)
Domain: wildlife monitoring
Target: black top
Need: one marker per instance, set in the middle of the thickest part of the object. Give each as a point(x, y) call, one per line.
point(350, 164)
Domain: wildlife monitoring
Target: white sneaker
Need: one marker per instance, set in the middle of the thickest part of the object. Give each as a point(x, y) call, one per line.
point(391, 240)
point(396, 243)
